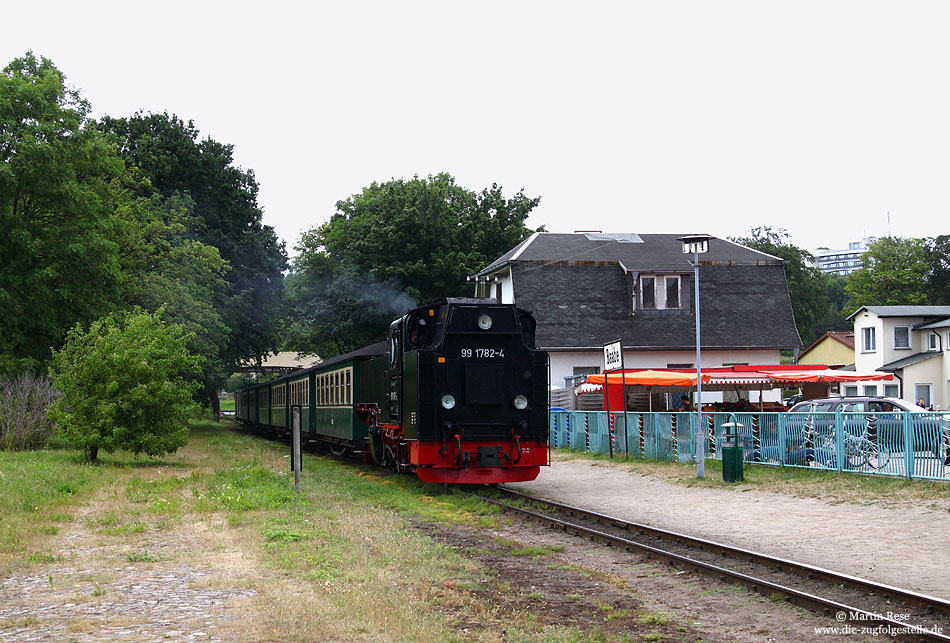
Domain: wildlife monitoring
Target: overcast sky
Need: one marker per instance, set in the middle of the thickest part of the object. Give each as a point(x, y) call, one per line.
point(817, 117)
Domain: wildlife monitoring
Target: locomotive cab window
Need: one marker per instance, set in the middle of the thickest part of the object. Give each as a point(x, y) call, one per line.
point(418, 331)
point(394, 346)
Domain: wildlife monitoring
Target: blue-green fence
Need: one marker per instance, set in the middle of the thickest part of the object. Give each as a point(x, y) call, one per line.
point(909, 445)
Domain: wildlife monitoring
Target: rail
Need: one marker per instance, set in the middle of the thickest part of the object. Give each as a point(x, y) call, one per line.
point(820, 590)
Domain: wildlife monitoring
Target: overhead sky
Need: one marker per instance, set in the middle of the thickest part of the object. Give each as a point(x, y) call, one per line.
point(817, 117)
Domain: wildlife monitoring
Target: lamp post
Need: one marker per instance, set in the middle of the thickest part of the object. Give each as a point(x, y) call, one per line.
point(696, 244)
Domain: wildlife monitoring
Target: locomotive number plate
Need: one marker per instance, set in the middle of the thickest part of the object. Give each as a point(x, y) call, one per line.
point(481, 353)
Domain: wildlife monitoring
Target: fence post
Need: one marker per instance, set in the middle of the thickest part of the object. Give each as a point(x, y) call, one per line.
point(611, 435)
point(908, 445)
point(643, 452)
point(840, 454)
point(756, 440)
point(809, 440)
point(712, 435)
point(568, 423)
point(587, 432)
point(783, 443)
point(676, 455)
point(554, 423)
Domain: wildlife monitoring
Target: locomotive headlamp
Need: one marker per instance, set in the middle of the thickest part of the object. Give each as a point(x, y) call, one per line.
point(448, 401)
point(484, 322)
point(520, 402)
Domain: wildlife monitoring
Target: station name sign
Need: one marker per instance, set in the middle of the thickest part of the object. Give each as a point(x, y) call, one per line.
point(613, 356)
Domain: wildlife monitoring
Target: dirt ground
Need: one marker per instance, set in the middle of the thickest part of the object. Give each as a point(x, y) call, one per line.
point(903, 546)
point(203, 584)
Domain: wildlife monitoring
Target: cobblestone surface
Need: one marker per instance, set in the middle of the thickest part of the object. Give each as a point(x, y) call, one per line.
point(90, 592)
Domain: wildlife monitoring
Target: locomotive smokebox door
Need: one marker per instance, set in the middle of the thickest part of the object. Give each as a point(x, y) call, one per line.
point(489, 456)
point(484, 383)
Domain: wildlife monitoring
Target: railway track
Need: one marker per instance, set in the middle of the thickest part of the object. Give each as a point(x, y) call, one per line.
point(854, 602)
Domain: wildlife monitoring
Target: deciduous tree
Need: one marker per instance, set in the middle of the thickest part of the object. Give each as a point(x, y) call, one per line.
point(894, 273)
point(58, 257)
point(126, 383)
point(167, 151)
point(392, 245)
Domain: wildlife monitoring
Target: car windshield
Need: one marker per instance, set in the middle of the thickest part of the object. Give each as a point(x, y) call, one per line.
point(913, 408)
point(808, 407)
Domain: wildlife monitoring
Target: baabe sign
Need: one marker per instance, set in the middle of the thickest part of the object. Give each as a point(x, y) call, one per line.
point(613, 356)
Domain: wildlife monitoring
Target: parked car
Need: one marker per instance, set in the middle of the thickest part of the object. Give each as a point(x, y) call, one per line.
point(880, 419)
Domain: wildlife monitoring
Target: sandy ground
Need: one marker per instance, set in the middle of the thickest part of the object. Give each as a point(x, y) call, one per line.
point(907, 547)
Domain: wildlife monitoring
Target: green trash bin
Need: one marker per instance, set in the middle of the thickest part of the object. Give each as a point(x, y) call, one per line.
point(731, 452)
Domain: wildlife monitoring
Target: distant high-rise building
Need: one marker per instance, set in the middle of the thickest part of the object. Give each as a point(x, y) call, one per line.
point(845, 261)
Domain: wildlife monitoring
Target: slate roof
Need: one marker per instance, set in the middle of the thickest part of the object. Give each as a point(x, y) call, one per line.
point(907, 361)
point(636, 252)
point(587, 306)
point(579, 288)
point(905, 311)
point(940, 323)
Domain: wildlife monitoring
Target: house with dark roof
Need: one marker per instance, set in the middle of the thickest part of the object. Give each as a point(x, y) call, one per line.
point(913, 342)
point(587, 289)
point(835, 349)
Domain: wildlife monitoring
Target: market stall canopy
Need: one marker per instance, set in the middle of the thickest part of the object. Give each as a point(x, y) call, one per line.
point(828, 375)
point(647, 378)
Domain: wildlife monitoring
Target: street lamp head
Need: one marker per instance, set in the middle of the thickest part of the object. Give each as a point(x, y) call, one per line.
point(695, 243)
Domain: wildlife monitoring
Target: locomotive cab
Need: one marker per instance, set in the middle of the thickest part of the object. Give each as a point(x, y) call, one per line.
point(461, 395)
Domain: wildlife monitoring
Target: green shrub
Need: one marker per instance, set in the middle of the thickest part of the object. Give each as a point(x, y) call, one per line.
point(126, 383)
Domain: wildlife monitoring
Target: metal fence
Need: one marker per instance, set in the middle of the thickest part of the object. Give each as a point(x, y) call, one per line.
point(900, 444)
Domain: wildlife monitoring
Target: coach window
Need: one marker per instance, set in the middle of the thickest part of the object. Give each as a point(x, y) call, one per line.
point(349, 390)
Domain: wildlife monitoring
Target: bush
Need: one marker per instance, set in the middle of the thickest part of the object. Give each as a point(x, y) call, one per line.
point(24, 402)
point(126, 383)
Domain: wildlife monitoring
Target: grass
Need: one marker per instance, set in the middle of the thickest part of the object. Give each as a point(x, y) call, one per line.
point(793, 481)
point(313, 561)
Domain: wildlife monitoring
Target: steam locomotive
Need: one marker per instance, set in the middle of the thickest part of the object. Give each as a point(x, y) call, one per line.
point(457, 394)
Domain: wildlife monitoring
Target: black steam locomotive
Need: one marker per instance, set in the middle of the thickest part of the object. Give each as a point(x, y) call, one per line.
point(457, 394)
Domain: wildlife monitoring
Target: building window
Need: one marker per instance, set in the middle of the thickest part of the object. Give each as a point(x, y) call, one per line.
point(869, 344)
point(660, 292)
point(870, 390)
point(850, 391)
point(892, 390)
point(901, 337)
point(648, 292)
point(922, 395)
point(672, 292)
point(933, 342)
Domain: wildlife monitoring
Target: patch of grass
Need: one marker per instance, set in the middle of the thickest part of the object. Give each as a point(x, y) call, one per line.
point(536, 550)
point(43, 557)
point(141, 557)
point(249, 487)
point(654, 618)
point(34, 486)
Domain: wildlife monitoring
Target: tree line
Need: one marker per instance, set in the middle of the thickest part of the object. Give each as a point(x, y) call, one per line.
point(132, 248)
point(131, 244)
point(129, 225)
point(896, 271)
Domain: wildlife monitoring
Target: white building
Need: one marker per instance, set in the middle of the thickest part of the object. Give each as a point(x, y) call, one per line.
point(913, 342)
point(844, 261)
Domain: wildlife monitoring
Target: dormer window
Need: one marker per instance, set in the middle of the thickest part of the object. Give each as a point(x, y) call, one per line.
point(658, 292)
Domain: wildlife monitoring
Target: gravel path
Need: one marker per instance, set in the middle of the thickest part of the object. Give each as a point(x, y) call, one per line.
point(907, 547)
